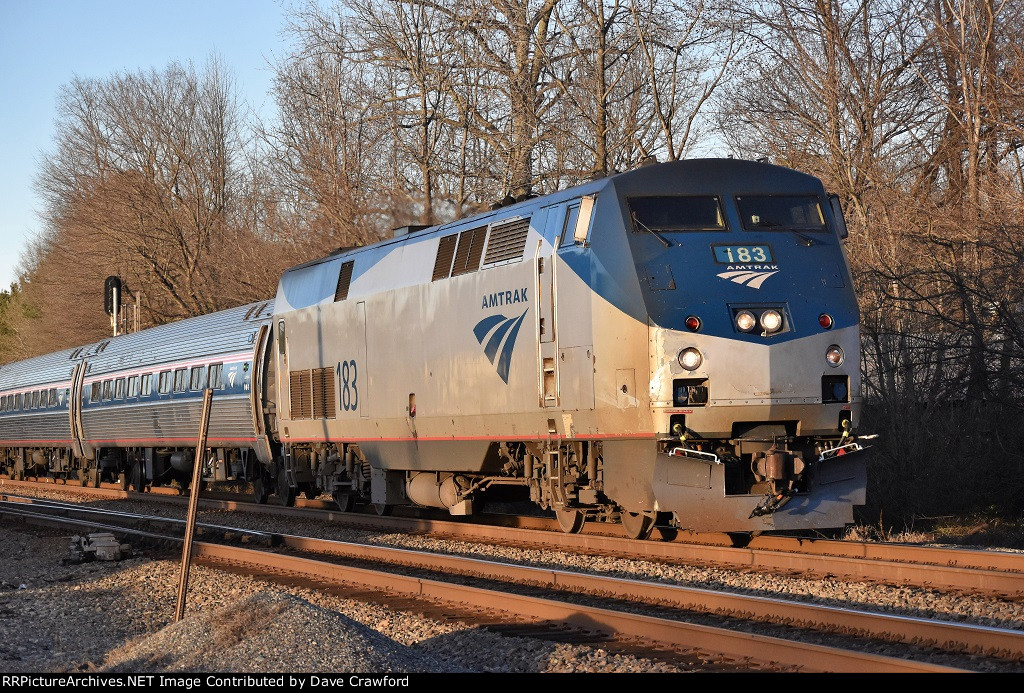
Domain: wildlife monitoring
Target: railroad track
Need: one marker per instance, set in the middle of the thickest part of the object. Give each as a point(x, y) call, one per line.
point(428, 576)
point(987, 573)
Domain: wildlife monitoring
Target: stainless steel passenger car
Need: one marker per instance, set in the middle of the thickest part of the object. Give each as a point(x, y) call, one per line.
point(35, 422)
point(135, 402)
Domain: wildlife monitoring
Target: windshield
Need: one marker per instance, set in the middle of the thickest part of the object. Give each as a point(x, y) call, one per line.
point(780, 212)
point(677, 213)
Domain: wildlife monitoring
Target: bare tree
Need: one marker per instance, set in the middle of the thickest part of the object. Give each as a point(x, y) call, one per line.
point(686, 50)
point(970, 68)
point(829, 87)
point(144, 172)
point(407, 43)
point(499, 46)
point(326, 145)
point(603, 117)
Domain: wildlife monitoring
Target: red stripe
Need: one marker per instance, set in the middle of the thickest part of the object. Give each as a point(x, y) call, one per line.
point(6, 443)
point(597, 436)
point(159, 441)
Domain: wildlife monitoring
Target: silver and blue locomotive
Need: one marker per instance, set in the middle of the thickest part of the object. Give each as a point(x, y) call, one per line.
point(678, 344)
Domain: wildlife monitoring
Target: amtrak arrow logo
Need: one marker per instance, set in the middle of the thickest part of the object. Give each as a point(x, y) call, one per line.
point(500, 328)
point(747, 277)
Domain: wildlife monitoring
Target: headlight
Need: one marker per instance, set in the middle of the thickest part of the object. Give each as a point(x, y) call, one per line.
point(745, 321)
point(771, 321)
point(834, 356)
point(690, 359)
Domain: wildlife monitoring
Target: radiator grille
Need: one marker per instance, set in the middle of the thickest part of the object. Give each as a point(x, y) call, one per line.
point(323, 393)
point(507, 241)
point(471, 247)
point(301, 395)
point(445, 253)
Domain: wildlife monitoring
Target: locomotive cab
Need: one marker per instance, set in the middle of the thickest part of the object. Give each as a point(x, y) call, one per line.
point(753, 343)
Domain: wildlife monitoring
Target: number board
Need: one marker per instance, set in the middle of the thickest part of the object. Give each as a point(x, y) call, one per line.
point(742, 254)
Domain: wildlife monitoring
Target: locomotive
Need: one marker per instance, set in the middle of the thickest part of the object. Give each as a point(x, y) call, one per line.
point(677, 344)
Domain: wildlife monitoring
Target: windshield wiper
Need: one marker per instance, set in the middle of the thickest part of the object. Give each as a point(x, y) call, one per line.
point(806, 240)
point(648, 229)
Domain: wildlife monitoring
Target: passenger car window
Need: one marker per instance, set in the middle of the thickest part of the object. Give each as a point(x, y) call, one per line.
point(216, 379)
point(181, 380)
point(94, 396)
point(196, 381)
point(119, 388)
point(107, 389)
point(165, 382)
point(133, 386)
point(147, 384)
point(53, 397)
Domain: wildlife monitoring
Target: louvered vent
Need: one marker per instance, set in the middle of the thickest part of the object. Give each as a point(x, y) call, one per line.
point(471, 248)
point(301, 395)
point(344, 279)
point(507, 241)
point(323, 393)
point(445, 253)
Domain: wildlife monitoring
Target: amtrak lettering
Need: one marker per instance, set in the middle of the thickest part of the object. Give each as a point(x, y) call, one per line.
point(752, 276)
point(504, 298)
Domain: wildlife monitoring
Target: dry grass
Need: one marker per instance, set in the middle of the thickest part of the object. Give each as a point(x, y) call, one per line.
point(987, 532)
point(889, 535)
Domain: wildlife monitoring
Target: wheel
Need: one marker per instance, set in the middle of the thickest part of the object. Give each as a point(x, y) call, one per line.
point(570, 520)
point(637, 525)
point(285, 493)
point(260, 490)
point(137, 478)
point(382, 508)
point(345, 500)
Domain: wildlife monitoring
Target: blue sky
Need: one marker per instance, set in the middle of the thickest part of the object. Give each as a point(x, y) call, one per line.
point(46, 43)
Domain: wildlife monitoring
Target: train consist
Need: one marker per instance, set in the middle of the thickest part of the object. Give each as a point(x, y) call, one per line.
point(676, 344)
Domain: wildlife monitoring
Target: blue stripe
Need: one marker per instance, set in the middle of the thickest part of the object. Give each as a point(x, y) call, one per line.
point(485, 325)
point(506, 353)
point(492, 345)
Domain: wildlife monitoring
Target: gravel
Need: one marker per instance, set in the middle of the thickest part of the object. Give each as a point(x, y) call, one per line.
point(277, 627)
point(906, 600)
point(117, 617)
point(525, 654)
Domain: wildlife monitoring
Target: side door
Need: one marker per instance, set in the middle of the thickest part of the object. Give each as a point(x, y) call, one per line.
point(573, 304)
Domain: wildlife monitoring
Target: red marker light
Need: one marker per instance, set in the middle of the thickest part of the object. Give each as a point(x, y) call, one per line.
point(693, 323)
point(825, 320)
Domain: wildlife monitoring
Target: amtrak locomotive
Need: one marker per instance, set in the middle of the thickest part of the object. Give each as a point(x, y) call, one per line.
point(676, 344)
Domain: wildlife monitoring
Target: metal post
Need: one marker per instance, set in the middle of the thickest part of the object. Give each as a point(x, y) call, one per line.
point(193, 502)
